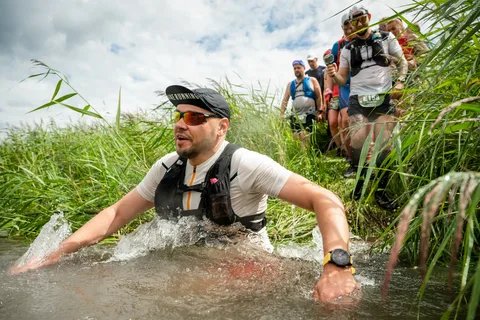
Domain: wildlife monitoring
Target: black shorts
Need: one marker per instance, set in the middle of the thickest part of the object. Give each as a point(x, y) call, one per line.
point(297, 125)
point(370, 113)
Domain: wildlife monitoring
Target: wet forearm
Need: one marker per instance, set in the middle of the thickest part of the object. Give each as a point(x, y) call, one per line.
point(332, 222)
point(96, 229)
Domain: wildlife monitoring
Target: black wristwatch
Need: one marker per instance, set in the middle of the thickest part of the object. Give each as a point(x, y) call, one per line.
point(340, 258)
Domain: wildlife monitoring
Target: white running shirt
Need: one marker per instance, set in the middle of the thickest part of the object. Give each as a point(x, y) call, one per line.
point(373, 79)
point(258, 177)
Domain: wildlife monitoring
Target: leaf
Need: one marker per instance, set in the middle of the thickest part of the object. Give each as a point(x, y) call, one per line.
point(53, 102)
point(46, 105)
point(35, 75)
point(65, 97)
point(57, 88)
point(458, 127)
point(475, 296)
point(82, 111)
point(470, 107)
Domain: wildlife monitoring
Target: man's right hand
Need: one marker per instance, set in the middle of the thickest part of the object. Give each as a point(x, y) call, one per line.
point(334, 283)
point(331, 70)
point(36, 263)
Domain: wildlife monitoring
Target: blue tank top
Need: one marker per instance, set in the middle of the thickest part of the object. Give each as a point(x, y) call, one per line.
point(307, 89)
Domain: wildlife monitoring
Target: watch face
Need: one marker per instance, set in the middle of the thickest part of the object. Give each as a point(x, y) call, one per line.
point(340, 257)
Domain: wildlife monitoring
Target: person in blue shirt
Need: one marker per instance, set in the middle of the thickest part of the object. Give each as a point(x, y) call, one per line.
point(338, 96)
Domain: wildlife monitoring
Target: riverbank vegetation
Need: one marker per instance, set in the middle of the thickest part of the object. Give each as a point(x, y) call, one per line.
point(437, 154)
point(80, 169)
point(434, 164)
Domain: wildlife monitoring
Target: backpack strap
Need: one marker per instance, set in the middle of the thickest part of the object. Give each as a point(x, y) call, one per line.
point(308, 89)
point(293, 88)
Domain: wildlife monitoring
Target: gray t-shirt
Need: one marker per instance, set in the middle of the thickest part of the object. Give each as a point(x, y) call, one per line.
point(258, 176)
point(372, 78)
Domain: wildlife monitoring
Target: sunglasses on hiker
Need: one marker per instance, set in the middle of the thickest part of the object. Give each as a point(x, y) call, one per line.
point(192, 118)
point(360, 18)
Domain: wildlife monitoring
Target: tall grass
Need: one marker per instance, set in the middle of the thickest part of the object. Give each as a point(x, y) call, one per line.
point(77, 170)
point(436, 153)
point(83, 168)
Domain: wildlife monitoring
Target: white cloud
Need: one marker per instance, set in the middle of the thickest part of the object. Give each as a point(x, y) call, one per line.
point(143, 46)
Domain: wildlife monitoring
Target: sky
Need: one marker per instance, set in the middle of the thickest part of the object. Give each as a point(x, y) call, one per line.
point(143, 46)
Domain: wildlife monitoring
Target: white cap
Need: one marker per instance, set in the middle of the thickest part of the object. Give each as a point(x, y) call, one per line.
point(311, 56)
point(345, 18)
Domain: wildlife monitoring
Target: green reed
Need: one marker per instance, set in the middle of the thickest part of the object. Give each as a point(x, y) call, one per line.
point(436, 153)
point(83, 168)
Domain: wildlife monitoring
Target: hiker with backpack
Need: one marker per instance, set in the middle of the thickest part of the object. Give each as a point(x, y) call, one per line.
point(307, 102)
point(366, 61)
point(337, 97)
point(209, 178)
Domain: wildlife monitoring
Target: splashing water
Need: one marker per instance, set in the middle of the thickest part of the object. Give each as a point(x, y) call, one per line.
point(51, 235)
point(314, 251)
point(214, 281)
point(160, 234)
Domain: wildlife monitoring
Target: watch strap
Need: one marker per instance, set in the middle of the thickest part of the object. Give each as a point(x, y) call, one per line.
point(328, 259)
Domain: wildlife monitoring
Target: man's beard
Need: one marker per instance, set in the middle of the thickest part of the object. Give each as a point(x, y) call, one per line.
point(363, 32)
point(187, 153)
point(196, 149)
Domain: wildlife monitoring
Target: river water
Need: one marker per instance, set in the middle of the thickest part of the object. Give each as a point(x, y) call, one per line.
point(226, 279)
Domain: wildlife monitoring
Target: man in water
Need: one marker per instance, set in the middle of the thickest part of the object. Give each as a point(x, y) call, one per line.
point(209, 177)
point(367, 59)
point(307, 102)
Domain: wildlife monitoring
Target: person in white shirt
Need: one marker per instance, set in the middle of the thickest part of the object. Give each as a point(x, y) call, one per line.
point(366, 60)
point(211, 178)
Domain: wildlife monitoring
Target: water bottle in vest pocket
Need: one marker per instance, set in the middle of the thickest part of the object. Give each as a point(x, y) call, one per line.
point(220, 207)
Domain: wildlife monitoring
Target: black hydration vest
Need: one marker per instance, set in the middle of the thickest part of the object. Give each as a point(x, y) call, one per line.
point(374, 41)
point(215, 201)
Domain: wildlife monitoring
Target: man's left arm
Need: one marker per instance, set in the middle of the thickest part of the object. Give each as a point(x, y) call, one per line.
point(335, 281)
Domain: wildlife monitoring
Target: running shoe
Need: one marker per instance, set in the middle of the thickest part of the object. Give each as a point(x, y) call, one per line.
point(384, 201)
